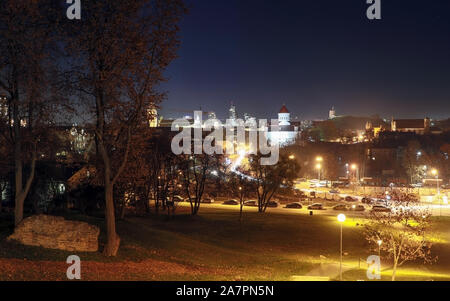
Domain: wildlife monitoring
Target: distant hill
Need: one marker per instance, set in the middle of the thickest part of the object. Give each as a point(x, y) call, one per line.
point(443, 124)
point(357, 123)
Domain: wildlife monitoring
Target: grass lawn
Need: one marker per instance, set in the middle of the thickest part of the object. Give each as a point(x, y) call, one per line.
point(215, 246)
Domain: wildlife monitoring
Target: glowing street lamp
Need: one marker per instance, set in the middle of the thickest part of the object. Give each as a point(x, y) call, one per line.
point(291, 157)
point(319, 159)
point(435, 173)
point(318, 166)
point(356, 170)
point(379, 242)
point(341, 219)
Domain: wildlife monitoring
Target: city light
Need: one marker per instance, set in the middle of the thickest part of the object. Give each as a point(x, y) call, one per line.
point(341, 219)
point(379, 242)
point(291, 157)
point(319, 159)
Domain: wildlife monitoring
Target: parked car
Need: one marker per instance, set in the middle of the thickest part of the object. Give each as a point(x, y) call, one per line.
point(300, 193)
point(208, 200)
point(366, 200)
point(192, 198)
point(273, 204)
point(378, 208)
point(251, 203)
point(177, 198)
point(295, 205)
point(312, 186)
point(357, 208)
point(231, 202)
point(340, 207)
point(350, 199)
point(315, 206)
point(380, 202)
point(334, 191)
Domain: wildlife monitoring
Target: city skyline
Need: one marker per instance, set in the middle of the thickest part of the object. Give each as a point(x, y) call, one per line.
point(326, 54)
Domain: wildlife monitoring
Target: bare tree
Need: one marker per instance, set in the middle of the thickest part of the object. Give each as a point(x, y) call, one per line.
point(402, 232)
point(122, 49)
point(194, 175)
point(26, 32)
point(240, 186)
point(269, 178)
point(410, 161)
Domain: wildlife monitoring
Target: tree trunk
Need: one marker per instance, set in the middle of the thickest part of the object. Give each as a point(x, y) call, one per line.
point(18, 209)
point(240, 210)
point(113, 240)
point(19, 196)
point(122, 211)
point(394, 269)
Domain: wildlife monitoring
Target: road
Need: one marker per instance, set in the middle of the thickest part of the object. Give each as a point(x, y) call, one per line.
point(435, 210)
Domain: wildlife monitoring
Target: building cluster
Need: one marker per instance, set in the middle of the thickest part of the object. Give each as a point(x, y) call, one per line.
point(285, 131)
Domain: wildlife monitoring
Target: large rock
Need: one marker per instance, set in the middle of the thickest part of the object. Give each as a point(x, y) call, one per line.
point(54, 232)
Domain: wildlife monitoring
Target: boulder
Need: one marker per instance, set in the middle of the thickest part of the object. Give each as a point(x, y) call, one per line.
point(54, 232)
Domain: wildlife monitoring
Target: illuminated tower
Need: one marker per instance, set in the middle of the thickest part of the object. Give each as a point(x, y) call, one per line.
point(332, 113)
point(284, 117)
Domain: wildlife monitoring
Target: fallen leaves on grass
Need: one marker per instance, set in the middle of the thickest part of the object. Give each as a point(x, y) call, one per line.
point(148, 269)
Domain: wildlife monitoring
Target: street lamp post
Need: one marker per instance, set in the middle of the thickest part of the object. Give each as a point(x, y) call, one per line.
point(355, 168)
point(319, 160)
point(436, 173)
point(341, 219)
point(355, 174)
point(379, 242)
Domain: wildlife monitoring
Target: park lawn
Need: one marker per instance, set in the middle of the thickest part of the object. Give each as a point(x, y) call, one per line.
point(215, 246)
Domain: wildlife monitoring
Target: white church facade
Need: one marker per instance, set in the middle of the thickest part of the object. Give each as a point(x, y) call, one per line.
point(285, 133)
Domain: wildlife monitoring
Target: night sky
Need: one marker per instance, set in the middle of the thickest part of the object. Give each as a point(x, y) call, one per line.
point(312, 55)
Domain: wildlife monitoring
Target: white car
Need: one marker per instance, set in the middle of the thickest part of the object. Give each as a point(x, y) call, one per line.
point(316, 206)
point(231, 202)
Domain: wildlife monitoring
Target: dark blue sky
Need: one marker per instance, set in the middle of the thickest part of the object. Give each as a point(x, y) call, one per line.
point(310, 55)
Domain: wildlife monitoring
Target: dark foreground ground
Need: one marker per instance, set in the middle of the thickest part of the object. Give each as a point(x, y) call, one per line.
point(216, 246)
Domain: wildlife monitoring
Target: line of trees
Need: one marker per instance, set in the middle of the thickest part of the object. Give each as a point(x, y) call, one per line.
point(105, 71)
point(112, 61)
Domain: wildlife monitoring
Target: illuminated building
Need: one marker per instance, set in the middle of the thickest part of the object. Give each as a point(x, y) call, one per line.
point(418, 126)
point(285, 134)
